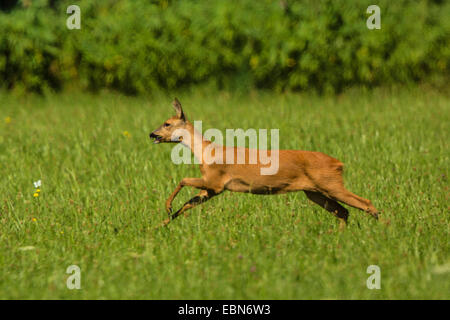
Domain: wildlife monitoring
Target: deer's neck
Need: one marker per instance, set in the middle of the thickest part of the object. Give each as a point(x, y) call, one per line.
point(197, 143)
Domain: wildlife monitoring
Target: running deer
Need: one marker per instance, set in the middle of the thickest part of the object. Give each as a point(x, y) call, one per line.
point(315, 173)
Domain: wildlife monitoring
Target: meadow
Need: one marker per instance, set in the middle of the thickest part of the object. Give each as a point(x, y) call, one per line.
point(104, 185)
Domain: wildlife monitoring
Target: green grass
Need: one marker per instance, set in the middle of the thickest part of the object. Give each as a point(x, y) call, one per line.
point(103, 194)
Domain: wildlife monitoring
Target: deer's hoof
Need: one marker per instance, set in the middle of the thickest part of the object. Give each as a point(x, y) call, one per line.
point(163, 224)
point(342, 225)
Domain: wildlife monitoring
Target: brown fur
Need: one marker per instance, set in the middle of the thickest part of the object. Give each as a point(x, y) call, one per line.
point(315, 173)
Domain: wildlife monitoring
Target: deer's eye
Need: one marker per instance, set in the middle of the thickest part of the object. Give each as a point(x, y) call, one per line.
point(166, 124)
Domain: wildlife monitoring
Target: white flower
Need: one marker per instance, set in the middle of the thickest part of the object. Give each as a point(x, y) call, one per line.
point(37, 184)
point(26, 248)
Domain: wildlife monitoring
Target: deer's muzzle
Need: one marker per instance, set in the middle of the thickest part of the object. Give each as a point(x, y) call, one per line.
point(157, 138)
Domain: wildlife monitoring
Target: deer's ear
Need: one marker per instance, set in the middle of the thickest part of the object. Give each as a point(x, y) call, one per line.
point(178, 109)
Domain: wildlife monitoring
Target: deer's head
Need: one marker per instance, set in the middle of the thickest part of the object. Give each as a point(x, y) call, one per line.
point(171, 129)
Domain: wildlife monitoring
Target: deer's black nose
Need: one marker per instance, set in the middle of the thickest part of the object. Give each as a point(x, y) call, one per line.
point(152, 135)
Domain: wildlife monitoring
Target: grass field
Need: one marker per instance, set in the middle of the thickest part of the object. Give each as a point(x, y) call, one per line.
point(104, 185)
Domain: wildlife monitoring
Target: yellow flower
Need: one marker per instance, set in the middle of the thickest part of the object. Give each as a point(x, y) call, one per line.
point(291, 62)
point(34, 219)
point(62, 232)
point(38, 190)
point(8, 120)
point(254, 61)
point(127, 134)
point(36, 194)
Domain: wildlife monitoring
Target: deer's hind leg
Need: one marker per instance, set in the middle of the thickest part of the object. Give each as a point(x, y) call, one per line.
point(354, 200)
point(337, 192)
point(331, 184)
point(330, 205)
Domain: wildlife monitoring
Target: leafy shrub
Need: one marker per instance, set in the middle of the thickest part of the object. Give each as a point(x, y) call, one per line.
point(141, 45)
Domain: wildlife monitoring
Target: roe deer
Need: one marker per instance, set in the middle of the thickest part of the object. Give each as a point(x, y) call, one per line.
point(315, 173)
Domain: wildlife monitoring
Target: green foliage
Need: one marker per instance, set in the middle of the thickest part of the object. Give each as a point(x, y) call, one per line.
point(141, 45)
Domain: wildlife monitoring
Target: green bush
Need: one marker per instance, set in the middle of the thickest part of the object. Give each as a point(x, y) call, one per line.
point(141, 45)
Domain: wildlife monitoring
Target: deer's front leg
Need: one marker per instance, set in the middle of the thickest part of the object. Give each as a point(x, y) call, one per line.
point(203, 196)
point(198, 183)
